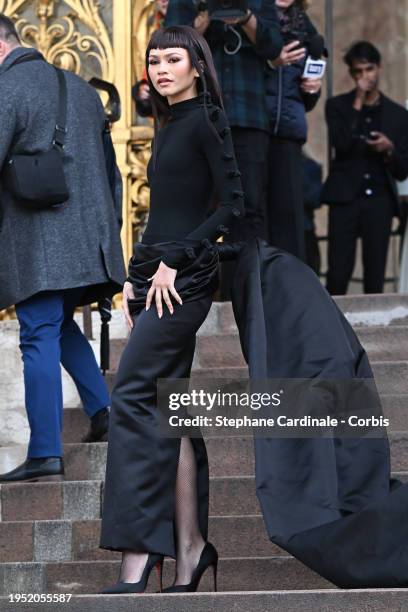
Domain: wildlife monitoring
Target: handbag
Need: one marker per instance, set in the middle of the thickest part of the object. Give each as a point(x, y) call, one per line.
point(37, 180)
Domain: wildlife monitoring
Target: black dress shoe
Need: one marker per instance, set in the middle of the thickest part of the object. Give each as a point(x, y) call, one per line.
point(37, 468)
point(153, 559)
point(209, 556)
point(99, 427)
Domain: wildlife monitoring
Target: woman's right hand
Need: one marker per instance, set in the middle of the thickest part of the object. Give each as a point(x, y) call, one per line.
point(289, 55)
point(128, 294)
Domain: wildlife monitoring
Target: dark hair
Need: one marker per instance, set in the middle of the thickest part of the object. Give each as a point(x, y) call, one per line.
point(8, 29)
point(199, 51)
point(362, 51)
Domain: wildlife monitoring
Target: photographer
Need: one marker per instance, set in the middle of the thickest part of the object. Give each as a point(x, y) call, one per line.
point(240, 47)
point(369, 133)
point(289, 97)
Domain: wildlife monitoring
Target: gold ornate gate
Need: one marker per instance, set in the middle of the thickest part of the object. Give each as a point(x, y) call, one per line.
point(107, 39)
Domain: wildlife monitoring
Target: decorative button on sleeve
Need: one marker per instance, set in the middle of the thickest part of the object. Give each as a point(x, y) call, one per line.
point(215, 142)
point(225, 174)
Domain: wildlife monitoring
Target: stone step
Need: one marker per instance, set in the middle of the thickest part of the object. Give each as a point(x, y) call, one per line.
point(314, 600)
point(391, 376)
point(76, 423)
point(82, 500)
point(383, 309)
point(224, 350)
point(228, 455)
point(234, 574)
point(385, 343)
point(66, 540)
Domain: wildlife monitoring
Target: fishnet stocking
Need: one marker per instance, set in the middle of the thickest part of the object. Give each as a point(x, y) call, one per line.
point(189, 542)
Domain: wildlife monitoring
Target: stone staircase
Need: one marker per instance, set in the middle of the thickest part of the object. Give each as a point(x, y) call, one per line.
point(49, 532)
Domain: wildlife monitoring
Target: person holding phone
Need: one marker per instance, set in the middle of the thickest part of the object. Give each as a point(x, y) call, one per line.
point(369, 133)
point(290, 95)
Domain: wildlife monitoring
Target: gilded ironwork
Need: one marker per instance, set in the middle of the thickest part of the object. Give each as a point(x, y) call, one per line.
point(10, 7)
point(60, 40)
point(143, 25)
point(139, 153)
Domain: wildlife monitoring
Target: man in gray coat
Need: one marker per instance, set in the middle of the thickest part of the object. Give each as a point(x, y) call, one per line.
point(52, 260)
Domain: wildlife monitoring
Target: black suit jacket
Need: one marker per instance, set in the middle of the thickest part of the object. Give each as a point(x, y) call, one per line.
point(344, 180)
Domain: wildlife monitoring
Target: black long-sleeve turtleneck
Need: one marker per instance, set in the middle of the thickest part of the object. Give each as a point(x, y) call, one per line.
point(192, 163)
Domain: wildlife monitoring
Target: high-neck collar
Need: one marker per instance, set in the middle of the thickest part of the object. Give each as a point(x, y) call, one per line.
point(179, 109)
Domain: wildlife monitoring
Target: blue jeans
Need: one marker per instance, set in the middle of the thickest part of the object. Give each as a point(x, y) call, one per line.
point(49, 336)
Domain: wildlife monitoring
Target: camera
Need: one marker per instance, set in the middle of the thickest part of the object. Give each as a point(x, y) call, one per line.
point(201, 6)
point(219, 9)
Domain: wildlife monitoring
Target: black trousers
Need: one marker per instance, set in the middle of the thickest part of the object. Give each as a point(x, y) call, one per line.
point(370, 218)
point(141, 469)
point(251, 150)
point(285, 206)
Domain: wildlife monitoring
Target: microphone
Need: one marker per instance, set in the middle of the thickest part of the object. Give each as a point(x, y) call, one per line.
point(316, 47)
point(315, 66)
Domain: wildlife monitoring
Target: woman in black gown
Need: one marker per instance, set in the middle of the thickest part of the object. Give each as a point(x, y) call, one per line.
point(156, 489)
point(328, 501)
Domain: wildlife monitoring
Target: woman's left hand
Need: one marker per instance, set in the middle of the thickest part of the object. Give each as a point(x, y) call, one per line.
point(311, 86)
point(163, 283)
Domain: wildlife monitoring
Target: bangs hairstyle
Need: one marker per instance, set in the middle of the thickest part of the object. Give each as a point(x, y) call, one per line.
point(198, 50)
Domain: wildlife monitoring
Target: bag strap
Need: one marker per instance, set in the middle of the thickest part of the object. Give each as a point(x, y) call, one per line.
point(61, 125)
point(60, 131)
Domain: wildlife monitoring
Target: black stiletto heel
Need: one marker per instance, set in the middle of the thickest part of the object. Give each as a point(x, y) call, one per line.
point(139, 587)
point(215, 574)
point(208, 557)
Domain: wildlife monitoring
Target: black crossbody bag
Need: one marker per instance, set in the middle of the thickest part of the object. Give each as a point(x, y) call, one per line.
point(37, 180)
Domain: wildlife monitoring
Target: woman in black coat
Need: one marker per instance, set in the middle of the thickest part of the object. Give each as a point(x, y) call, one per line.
point(289, 98)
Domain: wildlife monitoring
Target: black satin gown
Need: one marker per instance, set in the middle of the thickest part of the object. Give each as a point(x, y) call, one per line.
point(141, 469)
point(330, 502)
